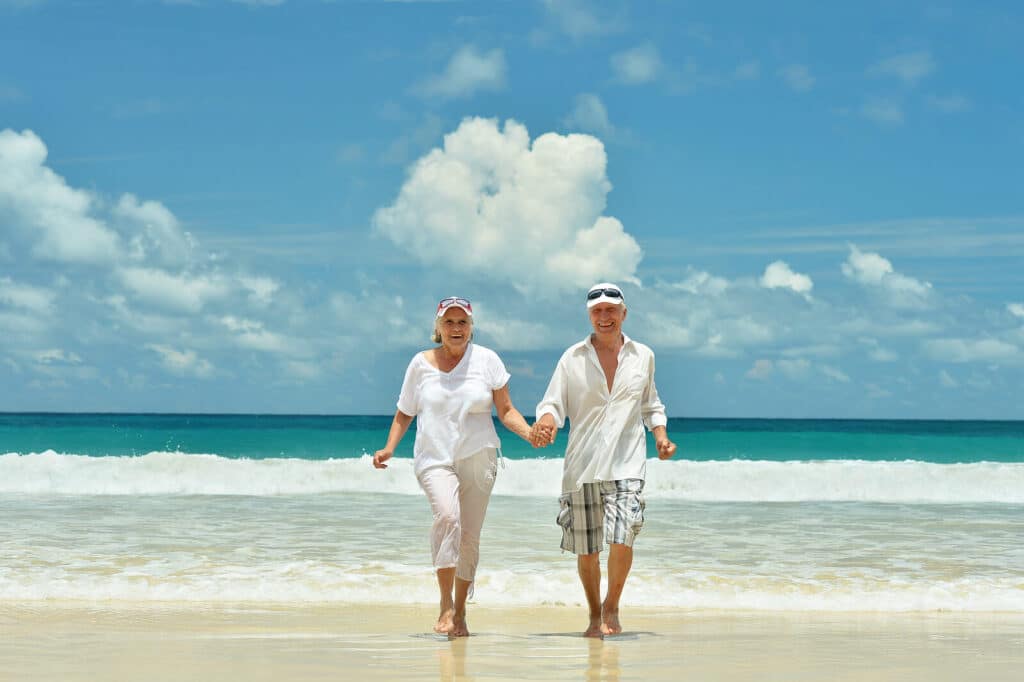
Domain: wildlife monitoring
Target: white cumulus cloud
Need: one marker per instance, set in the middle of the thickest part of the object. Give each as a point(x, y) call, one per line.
point(493, 203)
point(37, 202)
point(778, 275)
point(468, 71)
point(156, 234)
point(1016, 309)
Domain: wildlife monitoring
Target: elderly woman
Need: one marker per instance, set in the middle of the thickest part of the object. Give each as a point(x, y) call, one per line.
point(451, 390)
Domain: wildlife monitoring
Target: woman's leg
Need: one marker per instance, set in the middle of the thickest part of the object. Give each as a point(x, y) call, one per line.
point(476, 480)
point(441, 486)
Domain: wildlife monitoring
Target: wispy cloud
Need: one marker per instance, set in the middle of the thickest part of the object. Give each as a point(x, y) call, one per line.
point(909, 67)
point(589, 115)
point(638, 65)
point(883, 111)
point(468, 71)
point(798, 77)
point(949, 104)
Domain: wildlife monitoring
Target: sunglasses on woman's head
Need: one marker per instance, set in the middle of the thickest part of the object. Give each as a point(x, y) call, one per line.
point(446, 303)
point(610, 293)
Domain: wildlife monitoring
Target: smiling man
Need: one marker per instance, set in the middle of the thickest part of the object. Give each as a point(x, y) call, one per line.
point(605, 386)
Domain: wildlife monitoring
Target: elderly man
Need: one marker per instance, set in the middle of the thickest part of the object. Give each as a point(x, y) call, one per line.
point(605, 386)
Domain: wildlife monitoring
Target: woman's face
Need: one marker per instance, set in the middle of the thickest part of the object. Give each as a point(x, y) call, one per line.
point(455, 328)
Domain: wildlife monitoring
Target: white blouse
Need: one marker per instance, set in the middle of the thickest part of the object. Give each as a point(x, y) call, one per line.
point(606, 428)
point(452, 409)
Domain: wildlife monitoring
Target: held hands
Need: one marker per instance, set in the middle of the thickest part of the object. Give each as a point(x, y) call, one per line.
point(380, 457)
point(542, 434)
point(666, 448)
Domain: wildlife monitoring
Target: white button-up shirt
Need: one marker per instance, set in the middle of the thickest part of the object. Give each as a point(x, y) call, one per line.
point(606, 433)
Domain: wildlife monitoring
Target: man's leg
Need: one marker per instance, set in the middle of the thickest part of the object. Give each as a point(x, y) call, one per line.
point(589, 568)
point(620, 560)
point(624, 517)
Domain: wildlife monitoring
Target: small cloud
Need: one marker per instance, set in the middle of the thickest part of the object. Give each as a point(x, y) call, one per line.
point(1015, 309)
point(883, 111)
point(946, 380)
point(909, 67)
point(974, 350)
point(589, 115)
point(637, 66)
point(949, 104)
point(875, 272)
point(55, 356)
point(779, 275)
point(835, 374)
point(26, 296)
point(747, 71)
point(350, 153)
point(796, 370)
point(182, 362)
point(761, 370)
point(798, 77)
point(578, 19)
point(468, 71)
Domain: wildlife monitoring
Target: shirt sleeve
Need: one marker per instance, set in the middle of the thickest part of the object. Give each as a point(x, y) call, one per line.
point(409, 398)
point(651, 408)
point(497, 375)
point(555, 400)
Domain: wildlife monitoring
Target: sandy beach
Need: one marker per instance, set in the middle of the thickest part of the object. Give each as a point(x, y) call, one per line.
point(78, 641)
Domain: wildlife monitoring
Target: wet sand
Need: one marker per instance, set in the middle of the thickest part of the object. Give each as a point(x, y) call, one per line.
point(124, 641)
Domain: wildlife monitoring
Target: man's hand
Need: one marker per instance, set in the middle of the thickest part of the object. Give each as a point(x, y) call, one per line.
point(666, 448)
point(543, 432)
point(541, 435)
point(380, 457)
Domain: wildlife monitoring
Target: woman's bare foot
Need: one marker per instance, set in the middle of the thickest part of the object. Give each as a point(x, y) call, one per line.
point(594, 630)
point(610, 622)
point(459, 627)
point(445, 621)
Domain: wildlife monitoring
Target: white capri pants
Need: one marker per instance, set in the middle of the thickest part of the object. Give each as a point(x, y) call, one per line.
point(458, 496)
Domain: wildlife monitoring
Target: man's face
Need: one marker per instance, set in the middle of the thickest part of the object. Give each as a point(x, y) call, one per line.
point(607, 318)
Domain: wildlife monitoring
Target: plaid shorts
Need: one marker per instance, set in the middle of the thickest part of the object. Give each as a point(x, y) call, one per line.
point(605, 510)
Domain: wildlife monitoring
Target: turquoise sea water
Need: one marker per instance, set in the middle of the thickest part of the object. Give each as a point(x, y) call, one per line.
point(326, 437)
point(817, 515)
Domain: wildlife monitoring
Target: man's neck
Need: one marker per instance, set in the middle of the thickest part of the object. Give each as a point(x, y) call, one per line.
point(606, 342)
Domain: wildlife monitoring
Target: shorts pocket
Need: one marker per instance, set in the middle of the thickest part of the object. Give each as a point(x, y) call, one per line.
point(564, 518)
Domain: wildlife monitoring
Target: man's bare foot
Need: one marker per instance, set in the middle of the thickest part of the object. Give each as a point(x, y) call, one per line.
point(594, 630)
point(610, 622)
point(445, 621)
point(459, 627)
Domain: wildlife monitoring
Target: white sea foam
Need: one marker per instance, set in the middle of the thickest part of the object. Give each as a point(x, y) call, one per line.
point(316, 582)
point(172, 473)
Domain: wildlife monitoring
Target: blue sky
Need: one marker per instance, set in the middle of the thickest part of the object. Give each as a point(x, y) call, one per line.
point(814, 210)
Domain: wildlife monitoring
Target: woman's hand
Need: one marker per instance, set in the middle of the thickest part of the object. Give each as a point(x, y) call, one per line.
point(380, 457)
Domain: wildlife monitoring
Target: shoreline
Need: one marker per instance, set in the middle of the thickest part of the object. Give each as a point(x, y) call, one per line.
point(254, 641)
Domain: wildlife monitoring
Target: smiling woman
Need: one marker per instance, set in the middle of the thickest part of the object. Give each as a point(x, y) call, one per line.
point(451, 391)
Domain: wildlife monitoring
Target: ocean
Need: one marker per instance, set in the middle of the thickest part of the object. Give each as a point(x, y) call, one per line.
point(751, 515)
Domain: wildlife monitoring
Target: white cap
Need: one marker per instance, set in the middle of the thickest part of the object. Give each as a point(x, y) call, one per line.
point(605, 292)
